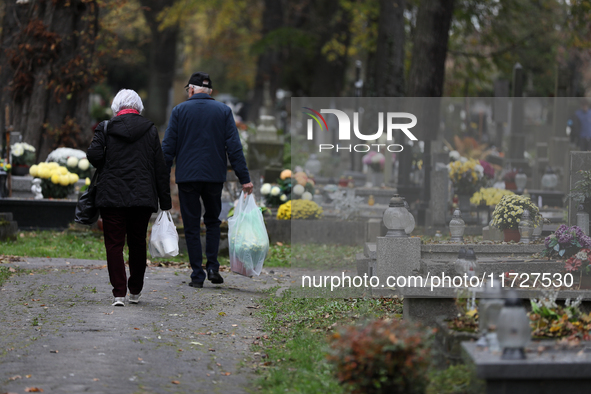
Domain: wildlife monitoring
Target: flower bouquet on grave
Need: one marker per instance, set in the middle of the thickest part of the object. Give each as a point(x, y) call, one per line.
point(565, 243)
point(507, 213)
point(5, 166)
point(375, 161)
point(56, 181)
point(466, 175)
point(22, 154)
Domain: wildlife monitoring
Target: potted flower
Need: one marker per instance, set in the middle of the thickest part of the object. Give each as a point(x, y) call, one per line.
point(74, 160)
point(507, 215)
point(56, 181)
point(4, 171)
point(23, 156)
point(467, 177)
point(489, 196)
point(572, 244)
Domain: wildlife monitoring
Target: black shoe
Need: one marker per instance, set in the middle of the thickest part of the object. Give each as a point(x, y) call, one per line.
point(214, 277)
point(198, 285)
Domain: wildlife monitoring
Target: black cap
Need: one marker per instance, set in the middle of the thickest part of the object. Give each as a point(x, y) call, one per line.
point(470, 255)
point(200, 79)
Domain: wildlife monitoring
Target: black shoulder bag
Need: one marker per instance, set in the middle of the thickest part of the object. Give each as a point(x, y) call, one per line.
point(86, 210)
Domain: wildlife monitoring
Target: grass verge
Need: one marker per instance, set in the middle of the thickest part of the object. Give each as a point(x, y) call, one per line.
point(293, 354)
point(90, 245)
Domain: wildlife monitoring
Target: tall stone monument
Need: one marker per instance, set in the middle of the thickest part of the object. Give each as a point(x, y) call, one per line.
point(265, 148)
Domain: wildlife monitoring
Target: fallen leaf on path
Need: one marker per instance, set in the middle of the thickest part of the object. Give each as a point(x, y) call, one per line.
point(135, 328)
point(226, 373)
point(140, 359)
point(197, 343)
point(28, 376)
point(15, 377)
point(95, 379)
point(222, 313)
point(181, 350)
point(280, 243)
point(176, 382)
point(11, 269)
point(33, 390)
point(53, 351)
point(234, 325)
point(109, 313)
point(211, 350)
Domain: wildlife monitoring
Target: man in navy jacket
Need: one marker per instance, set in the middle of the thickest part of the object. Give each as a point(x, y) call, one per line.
point(200, 133)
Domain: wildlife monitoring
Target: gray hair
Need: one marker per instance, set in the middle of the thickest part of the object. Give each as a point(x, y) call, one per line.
point(127, 99)
point(200, 89)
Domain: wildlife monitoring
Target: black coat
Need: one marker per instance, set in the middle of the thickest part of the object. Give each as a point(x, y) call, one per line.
point(132, 169)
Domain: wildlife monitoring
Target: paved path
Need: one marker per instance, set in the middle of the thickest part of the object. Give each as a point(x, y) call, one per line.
point(59, 332)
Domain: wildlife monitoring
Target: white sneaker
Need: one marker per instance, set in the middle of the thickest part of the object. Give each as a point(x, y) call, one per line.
point(119, 301)
point(134, 298)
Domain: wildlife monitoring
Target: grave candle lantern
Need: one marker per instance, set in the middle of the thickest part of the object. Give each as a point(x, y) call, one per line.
point(513, 329)
point(520, 180)
point(526, 227)
point(457, 227)
point(549, 179)
point(397, 219)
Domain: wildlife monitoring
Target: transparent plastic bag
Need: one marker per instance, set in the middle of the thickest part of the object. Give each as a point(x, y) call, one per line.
point(164, 241)
point(248, 238)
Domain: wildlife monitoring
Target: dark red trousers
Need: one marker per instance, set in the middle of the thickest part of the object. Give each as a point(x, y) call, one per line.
point(117, 223)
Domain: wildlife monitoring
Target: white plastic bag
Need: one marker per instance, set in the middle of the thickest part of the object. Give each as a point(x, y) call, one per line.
point(164, 241)
point(248, 238)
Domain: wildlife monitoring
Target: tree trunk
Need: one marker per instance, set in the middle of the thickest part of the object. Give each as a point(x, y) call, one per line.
point(269, 62)
point(48, 68)
point(429, 50)
point(329, 72)
point(389, 57)
point(161, 62)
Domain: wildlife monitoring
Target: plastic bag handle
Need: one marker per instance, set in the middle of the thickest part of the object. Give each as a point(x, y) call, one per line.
point(241, 202)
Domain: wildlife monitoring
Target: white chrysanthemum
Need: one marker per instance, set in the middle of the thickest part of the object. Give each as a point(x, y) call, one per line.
point(17, 150)
point(479, 168)
point(83, 164)
point(72, 162)
point(298, 190)
point(454, 155)
point(307, 196)
point(266, 189)
point(275, 190)
point(463, 159)
point(283, 198)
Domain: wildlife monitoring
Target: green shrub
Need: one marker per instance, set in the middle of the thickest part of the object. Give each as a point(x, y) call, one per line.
point(384, 356)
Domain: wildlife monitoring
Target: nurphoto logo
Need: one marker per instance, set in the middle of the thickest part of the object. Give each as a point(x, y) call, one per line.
point(345, 129)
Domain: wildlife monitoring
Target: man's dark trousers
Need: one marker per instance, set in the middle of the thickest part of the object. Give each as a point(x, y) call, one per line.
point(211, 194)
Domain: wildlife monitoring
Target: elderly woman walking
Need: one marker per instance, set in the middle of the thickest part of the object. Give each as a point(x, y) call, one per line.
point(133, 178)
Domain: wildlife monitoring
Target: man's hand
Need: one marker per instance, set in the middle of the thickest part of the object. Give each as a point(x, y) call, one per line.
point(247, 188)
